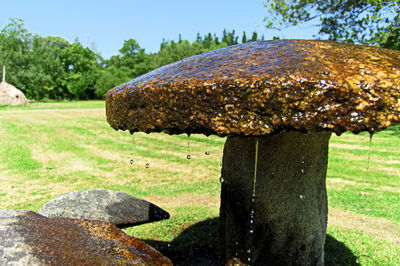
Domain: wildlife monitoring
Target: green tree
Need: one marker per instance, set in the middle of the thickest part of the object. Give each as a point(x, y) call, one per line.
point(133, 57)
point(45, 68)
point(374, 22)
point(244, 38)
point(109, 78)
point(132, 61)
point(80, 71)
point(15, 46)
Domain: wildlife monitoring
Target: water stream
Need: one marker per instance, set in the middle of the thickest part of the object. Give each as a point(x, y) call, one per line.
point(207, 152)
point(147, 165)
point(188, 156)
point(253, 198)
point(364, 193)
point(369, 151)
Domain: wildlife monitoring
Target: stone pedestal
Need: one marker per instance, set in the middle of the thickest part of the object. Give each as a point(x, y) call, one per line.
point(284, 223)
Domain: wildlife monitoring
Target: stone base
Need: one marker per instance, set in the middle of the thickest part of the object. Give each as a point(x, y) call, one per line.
point(285, 222)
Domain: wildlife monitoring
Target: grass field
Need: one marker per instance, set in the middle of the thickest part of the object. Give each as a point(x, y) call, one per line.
point(47, 149)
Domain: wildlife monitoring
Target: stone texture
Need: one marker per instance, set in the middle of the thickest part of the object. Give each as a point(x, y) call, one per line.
point(260, 88)
point(117, 208)
point(290, 204)
point(27, 238)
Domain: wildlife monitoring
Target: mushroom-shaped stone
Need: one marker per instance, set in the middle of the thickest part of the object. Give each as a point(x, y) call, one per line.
point(278, 102)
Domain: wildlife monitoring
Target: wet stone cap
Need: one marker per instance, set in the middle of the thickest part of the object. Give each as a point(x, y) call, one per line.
point(261, 88)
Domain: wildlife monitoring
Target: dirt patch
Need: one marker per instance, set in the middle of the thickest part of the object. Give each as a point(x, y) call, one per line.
point(379, 228)
point(358, 147)
point(389, 170)
point(348, 146)
point(339, 183)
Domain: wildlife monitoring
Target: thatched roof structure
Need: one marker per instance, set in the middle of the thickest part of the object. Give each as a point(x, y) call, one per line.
point(9, 95)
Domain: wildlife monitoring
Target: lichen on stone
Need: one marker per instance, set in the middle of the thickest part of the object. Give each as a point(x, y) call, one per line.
point(261, 88)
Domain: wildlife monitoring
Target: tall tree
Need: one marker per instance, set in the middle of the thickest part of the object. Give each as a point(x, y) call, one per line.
point(15, 46)
point(132, 61)
point(111, 77)
point(244, 38)
point(375, 22)
point(45, 68)
point(80, 71)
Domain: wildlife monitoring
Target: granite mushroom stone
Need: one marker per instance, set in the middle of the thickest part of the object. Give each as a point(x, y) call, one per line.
point(117, 208)
point(27, 238)
point(278, 103)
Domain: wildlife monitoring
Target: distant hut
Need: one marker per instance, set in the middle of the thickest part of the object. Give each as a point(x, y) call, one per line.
point(9, 95)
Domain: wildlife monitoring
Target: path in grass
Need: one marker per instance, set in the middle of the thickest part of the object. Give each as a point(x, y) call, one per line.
point(52, 148)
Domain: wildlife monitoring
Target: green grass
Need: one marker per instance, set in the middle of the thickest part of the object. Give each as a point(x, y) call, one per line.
point(47, 149)
point(50, 104)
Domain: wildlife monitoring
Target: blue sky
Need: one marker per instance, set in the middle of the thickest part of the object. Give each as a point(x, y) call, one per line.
point(104, 25)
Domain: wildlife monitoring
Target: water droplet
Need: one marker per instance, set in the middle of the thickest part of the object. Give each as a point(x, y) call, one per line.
point(207, 152)
point(248, 259)
point(147, 165)
point(188, 157)
point(357, 262)
point(354, 114)
point(302, 197)
point(249, 251)
point(131, 161)
point(302, 171)
point(252, 221)
point(221, 179)
point(251, 231)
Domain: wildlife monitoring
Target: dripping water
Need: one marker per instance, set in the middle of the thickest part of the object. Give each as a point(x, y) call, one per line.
point(207, 151)
point(253, 197)
point(147, 146)
point(188, 156)
point(364, 193)
point(147, 165)
point(369, 151)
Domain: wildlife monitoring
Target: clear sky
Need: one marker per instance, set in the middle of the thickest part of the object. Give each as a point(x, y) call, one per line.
point(104, 25)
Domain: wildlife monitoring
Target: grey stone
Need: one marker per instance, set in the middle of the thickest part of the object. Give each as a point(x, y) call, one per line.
point(286, 223)
point(117, 208)
point(27, 238)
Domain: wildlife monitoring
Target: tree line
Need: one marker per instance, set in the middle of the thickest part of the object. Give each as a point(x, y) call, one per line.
point(53, 68)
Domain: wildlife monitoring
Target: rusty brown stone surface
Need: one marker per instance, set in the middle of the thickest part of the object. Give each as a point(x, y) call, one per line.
point(64, 241)
point(261, 88)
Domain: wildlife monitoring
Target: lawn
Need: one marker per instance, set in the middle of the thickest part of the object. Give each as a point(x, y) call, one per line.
point(52, 148)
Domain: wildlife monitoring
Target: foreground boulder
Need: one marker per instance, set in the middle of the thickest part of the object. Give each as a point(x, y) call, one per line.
point(117, 208)
point(28, 238)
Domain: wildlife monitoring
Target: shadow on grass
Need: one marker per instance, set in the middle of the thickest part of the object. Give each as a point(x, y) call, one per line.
point(198, 245)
